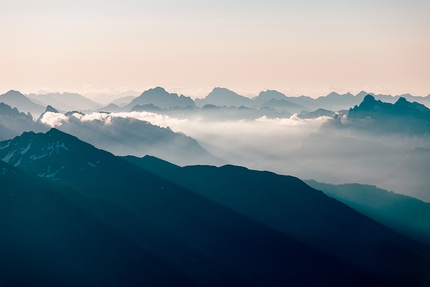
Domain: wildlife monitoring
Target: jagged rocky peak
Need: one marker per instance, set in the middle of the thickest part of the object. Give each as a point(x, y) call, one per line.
point(51, 109)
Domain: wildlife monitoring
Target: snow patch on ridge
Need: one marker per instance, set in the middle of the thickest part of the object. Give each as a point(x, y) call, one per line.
point(26, 149)
point(8, 157)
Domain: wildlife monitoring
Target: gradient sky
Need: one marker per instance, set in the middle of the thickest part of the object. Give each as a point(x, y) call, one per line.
point(297, 47)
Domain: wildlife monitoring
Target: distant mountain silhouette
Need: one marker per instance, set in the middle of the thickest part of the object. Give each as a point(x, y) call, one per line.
point(49, 109)
point(317, 113)
point(265, 96)
point(112, 108)
point(66, 101)
point(392, 99)
point(211, 112)
point(128, 136)
point(106, 98)
point(335, 101)
point(146, 108)
point(101, 219)
point(406, 215)
point(161, 98)
point(224, 97)
point(409, 122)
point(123, 101)
point(17, 100)
point(13, 123)
point(376, 108)
point(284, 104)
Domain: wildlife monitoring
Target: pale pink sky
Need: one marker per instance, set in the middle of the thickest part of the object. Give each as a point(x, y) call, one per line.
point(296, 47)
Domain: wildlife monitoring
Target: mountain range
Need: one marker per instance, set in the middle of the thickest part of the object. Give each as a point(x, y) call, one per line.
point(17, 100)
point(333, 101)
point(13, 122)
point(404, 122)
point(122, 136)
point(130, 136)
point(75, 215)
point(221, 97)
point(64, 101)
point(377, 143)
point(224, 97)
point(161, 98)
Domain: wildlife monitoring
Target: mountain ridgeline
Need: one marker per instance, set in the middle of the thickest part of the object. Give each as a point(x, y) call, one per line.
point(411, 120)
point(74, 215)
point(406, 215)
point(162, 99)
point(270, 103)
point(13, 122)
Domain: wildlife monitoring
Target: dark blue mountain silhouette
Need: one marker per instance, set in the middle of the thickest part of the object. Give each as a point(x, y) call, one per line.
point(402, 117)
point(404, 214)
point(76, 215)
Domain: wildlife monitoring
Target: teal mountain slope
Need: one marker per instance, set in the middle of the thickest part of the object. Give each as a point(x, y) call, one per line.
point(404, 214)
point(221, 226)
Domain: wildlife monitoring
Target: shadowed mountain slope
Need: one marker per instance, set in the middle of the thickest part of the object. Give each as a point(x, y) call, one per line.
point(404, 214)
point(202, 224)
point(101, 221)
point(55, 236)
point(288, 205)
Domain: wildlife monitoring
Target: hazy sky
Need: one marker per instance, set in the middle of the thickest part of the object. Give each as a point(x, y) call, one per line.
point(297, 47)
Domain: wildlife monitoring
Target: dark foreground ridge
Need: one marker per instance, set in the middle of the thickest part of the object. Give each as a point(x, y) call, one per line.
point(74, 215)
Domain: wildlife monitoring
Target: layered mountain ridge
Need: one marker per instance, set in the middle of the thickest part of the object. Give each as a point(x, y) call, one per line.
point(221, 226)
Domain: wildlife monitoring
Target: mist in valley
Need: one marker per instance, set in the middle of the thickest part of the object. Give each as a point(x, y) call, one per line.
point(306, 148)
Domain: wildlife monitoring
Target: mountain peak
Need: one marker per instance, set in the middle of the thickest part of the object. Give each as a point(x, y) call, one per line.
point(333, 94)
point(159, 97)
point(265, 96)
point(157, 89)
point(51, 109)
point(14, 93)
point(220, 89)
point(369, 98)
point(401, 101)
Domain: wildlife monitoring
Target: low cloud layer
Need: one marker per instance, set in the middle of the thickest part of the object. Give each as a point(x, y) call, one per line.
point(238, 142)
point(284, 145)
